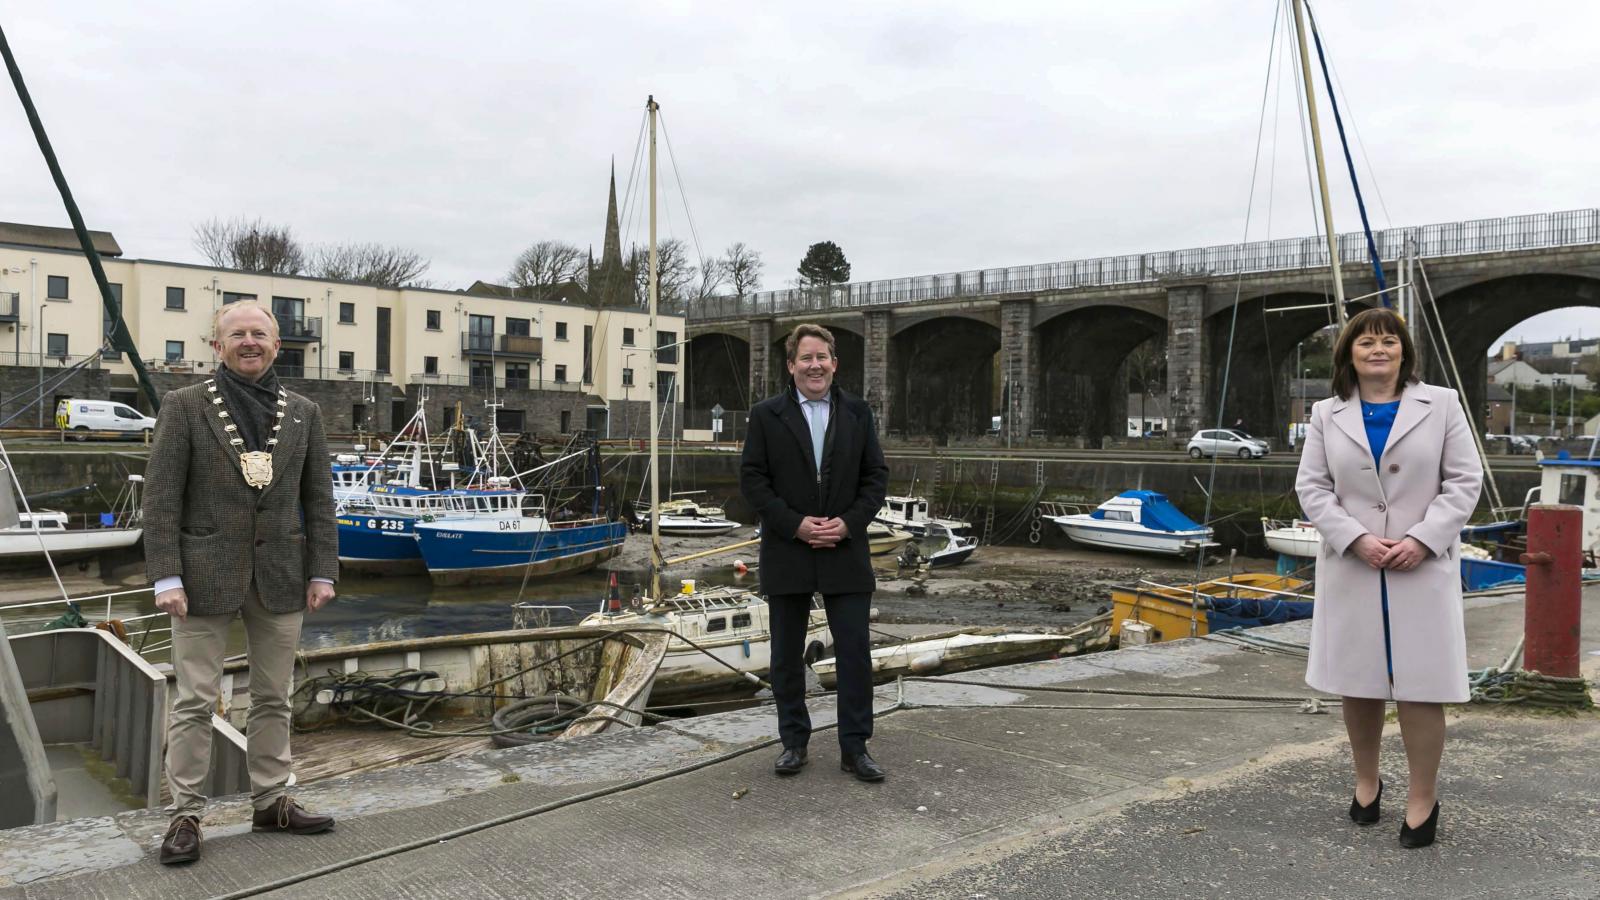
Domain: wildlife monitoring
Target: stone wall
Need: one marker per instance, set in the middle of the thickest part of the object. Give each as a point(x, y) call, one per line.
point(19, 388)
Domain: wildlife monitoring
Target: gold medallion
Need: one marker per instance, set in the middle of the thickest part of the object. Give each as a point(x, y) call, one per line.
point(257, 468)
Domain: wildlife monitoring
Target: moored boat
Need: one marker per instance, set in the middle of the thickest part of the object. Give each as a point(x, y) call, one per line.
point(911, 514)
point(1243, 600)
point(976, 648)
point(1138, 520)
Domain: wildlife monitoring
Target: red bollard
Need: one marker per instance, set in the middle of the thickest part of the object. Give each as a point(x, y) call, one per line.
point(1555, 588)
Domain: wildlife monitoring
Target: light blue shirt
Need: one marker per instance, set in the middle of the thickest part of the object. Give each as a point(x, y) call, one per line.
point(817, 412)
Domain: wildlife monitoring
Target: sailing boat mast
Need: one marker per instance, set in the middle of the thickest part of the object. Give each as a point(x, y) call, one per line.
point(1322, 172)
point(655, 365)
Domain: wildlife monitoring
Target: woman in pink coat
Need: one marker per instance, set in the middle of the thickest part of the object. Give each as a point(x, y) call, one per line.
point(1389, 475)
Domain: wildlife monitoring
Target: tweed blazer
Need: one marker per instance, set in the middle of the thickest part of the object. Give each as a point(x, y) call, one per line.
point(203, 523)
point(1426, 487)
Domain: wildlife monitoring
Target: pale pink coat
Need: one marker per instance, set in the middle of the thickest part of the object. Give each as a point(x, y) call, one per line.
point(1426, 486)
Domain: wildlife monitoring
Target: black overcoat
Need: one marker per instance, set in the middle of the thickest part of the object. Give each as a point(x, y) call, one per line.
point(781, 482)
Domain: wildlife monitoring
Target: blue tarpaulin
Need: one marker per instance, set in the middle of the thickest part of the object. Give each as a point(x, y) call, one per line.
point(1157, 512)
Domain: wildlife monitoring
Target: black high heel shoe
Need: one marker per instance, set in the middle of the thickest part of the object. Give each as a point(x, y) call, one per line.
point(1422, 835)
point(1366, 815)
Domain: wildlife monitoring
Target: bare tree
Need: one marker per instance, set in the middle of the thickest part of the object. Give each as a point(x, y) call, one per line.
point(712, 276)
point(676, 273)
point(250, 245)
point(744, 267)
point(546, 264)
point(373, 264)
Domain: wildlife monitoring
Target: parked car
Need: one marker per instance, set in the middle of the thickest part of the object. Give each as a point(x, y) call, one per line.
point(101, 415)
point(1510, 444)
point(1226, 442)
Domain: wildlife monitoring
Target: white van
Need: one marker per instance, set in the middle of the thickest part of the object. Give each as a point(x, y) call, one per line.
point(102, 415)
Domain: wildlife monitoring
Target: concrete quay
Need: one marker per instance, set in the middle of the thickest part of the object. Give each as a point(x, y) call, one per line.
point(987, 796)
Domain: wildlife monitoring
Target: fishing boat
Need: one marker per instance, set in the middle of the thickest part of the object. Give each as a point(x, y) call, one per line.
point(1243, 600)
point(479, 550)
point(1297, 538)
point(974, 648)
point(26, 537)
point(911, 514)
point(1138, 520)
point(720, 639)
point(683, 517)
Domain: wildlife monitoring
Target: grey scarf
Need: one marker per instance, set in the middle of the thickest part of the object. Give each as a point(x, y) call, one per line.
point(252, 404)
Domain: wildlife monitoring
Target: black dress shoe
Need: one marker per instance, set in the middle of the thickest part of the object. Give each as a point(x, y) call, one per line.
point(287, 815)
point(182, 843)
point(1366, 815)
point(863, 767)
point(791, 762)
point(1422, 835)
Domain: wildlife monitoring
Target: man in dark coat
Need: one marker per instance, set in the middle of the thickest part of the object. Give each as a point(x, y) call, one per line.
point(813, 471)
point(238, 523)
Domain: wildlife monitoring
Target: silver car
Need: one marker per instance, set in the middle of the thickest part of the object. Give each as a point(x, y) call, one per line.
point(1226, 442)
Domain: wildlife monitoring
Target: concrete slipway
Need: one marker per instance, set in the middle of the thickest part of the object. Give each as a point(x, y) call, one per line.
point(986, 797)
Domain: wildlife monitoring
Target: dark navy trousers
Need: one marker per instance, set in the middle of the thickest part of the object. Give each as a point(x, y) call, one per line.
point(848, 615)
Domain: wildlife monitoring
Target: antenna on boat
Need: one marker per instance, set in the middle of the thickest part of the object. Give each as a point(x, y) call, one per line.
point(655, 368)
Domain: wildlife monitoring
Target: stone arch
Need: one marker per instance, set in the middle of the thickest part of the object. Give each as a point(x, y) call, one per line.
point(717, 372)
point(852, 349)
point(1082, 390)
point(1268, 329)
point(942, 372)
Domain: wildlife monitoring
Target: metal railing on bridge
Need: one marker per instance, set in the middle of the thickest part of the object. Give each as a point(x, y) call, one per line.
point(1542, 230)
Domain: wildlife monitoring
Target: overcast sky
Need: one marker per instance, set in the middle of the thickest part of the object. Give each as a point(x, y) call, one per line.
point(922, 137)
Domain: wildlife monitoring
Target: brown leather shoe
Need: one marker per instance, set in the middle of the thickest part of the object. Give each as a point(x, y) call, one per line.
point(182, 843)
point(287, 815)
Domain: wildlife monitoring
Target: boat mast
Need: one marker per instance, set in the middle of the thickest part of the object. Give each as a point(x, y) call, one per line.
point(655, 374)
point(1322, 172)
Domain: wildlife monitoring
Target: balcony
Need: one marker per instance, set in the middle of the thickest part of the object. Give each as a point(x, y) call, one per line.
point(518, 345)
point(515, 382)
point(8, 307)
point(299, 329)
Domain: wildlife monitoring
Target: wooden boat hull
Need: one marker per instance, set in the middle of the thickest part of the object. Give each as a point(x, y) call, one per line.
point(971, 649)
point(1223, 603)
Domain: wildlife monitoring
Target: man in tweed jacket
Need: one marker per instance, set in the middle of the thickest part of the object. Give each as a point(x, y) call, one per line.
point(218, 548)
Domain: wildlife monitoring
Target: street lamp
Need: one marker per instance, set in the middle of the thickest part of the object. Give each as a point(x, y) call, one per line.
point(40, 326)
point(1572, 374)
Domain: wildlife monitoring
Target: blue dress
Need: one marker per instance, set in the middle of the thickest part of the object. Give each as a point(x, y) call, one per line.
point(1379, 419)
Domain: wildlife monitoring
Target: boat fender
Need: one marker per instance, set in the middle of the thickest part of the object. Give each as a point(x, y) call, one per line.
point(927, 662)
point(739, 568)
point(747, 649)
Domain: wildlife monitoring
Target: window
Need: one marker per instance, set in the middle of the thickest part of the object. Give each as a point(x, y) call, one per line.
point(741, 620)
point(482, 373)
point(516, 375)
point(518, 327)
point(433, 320)
point(561, 331)
point(358, 416)
point(347, 360)
point(430, 365)
point(381, 363)
point(174, 351)
point(1570, 490)
point(1118, 515)
point(174, 298)
point(627, 378)
point(233, 297)
point(108, 320)
point(668, 353)
point(347, 313)
point(480, 333)
point(566, 421)
point(125, 412)
point(627, 337)
point(56, 345)
point(720, 623)
point(588, 354)
point(561, 377)
point(666, 388)
point(56, 287)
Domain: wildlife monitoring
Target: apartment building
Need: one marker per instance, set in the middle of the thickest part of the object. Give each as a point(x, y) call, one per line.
point(367, 355)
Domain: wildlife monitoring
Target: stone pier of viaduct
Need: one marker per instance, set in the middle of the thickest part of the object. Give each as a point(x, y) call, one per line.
point(1047, 348)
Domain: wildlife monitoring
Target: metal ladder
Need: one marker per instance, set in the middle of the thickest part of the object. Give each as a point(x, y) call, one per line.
point(988, 517)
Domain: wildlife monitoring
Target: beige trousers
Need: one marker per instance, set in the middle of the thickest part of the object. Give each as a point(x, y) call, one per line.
point(199, 644)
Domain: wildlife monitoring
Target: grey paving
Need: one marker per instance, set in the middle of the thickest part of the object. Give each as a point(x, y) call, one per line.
point(1124, 795)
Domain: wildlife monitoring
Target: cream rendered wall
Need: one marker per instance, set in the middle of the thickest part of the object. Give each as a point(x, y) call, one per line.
point(78, 317)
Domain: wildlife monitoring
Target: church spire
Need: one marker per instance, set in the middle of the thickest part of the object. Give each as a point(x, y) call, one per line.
point(613, 281)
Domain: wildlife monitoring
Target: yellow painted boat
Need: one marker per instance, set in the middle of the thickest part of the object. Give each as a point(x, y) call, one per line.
point(1246, 600)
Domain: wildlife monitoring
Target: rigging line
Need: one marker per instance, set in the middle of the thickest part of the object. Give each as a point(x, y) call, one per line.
point(1233, 322)
point(1306, 156)
point(1355, 126)
point(683, 192)
point(1350, 163)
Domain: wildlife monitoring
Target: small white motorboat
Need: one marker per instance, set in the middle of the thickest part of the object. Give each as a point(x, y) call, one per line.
point(686, 518)
point(883, 539)
point(939, 548)
point(1144, 521)
point(1297, 538)
point(911, 514)
point(26, 537)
